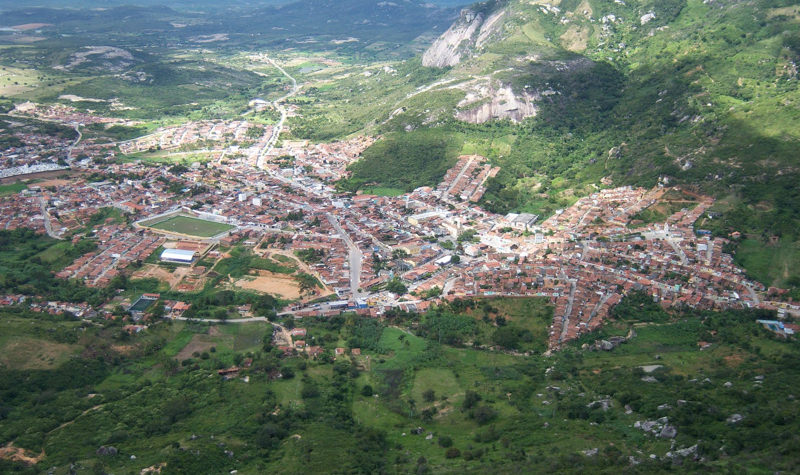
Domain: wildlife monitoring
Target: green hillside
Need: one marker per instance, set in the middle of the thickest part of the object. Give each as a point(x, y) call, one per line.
point(423, 396)
point(682, 91)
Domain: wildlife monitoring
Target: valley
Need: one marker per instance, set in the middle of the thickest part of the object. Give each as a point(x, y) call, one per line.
point(237, 239)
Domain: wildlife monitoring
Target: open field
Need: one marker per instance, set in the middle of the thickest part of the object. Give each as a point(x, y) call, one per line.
point(31, 178)
point(382, 191)
point(189, 226)
point(281, 285)
point(172, 278)
point(773, 264)
point(32, 353)
point(12, 188)
point(15, 81)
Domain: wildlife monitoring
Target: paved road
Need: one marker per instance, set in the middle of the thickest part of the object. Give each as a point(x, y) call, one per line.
point(602, 301)
point(77, 141)
point(674, 243)
point(229, 320)
point(568, 312)
point(276, 132)
point(47, 226)
point(460, 175)
point(355, 256)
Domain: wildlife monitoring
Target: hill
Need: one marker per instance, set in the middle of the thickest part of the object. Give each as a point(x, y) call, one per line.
point(91, 397)
point(688, 92)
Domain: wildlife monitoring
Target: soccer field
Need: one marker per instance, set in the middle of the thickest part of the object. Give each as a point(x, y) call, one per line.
point(191, 226)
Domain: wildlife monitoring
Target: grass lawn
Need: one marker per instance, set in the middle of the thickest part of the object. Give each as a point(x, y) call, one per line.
point(383, 191)
point(190, 226)
point(12, 188)
point(402, 347)
point(443, 383)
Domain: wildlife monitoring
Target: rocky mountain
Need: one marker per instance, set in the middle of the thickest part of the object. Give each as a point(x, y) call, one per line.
point(472, 30)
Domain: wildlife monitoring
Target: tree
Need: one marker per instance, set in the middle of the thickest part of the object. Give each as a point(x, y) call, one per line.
point(266, 342)
point(158, 310)
point(221, 314)
point(367, 391)
point(396, 286)
point(452, 453)
point(483, 414)
point(429, 395)
point(471, 398)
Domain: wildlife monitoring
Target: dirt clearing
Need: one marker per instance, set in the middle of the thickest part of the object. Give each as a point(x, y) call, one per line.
point(17, 454)
point(281, 285)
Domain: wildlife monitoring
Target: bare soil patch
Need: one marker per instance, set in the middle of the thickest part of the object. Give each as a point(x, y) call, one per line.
point(17, 454)
point(734, 360)
point(123, 349)
point(162, 274)
point(31, 26)
point(271, 283)
point(39, 176)
point(53, 182)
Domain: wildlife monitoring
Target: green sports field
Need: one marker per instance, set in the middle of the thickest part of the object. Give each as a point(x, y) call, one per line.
point(190, 226)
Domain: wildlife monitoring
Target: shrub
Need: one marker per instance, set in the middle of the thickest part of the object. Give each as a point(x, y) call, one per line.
point(452, 453)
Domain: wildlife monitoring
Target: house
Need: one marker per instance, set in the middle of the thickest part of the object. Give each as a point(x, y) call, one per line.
point(522, 221)
point(355, 351)
point(298, 332)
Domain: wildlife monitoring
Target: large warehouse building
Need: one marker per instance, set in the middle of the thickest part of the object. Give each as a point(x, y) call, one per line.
point(180, 256)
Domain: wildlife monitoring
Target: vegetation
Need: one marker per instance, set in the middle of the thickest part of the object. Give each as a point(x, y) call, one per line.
point(162, 398)
point(190, 226)
point(28, 261)
point(404, 161)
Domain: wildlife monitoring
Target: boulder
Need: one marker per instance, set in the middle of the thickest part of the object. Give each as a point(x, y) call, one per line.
point(734, 418)
point(110, 450)
point(668, 432)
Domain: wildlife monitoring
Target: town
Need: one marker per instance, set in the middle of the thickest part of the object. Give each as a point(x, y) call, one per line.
point(281, 203)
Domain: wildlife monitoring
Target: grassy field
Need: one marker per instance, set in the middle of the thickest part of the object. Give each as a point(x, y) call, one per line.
point(12, 188)
point(190, 226)
point(382, 191)
point(771, 264)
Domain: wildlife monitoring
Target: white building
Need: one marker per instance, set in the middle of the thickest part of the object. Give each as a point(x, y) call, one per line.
point(177, 255)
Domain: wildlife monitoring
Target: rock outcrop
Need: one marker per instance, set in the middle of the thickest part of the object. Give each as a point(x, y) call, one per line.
point(500, 103)
point(470, 32)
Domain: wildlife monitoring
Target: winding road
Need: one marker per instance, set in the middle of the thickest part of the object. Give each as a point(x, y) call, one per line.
point(276, 131)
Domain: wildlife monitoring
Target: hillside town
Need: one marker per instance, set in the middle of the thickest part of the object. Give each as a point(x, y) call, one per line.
point(437, 241)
